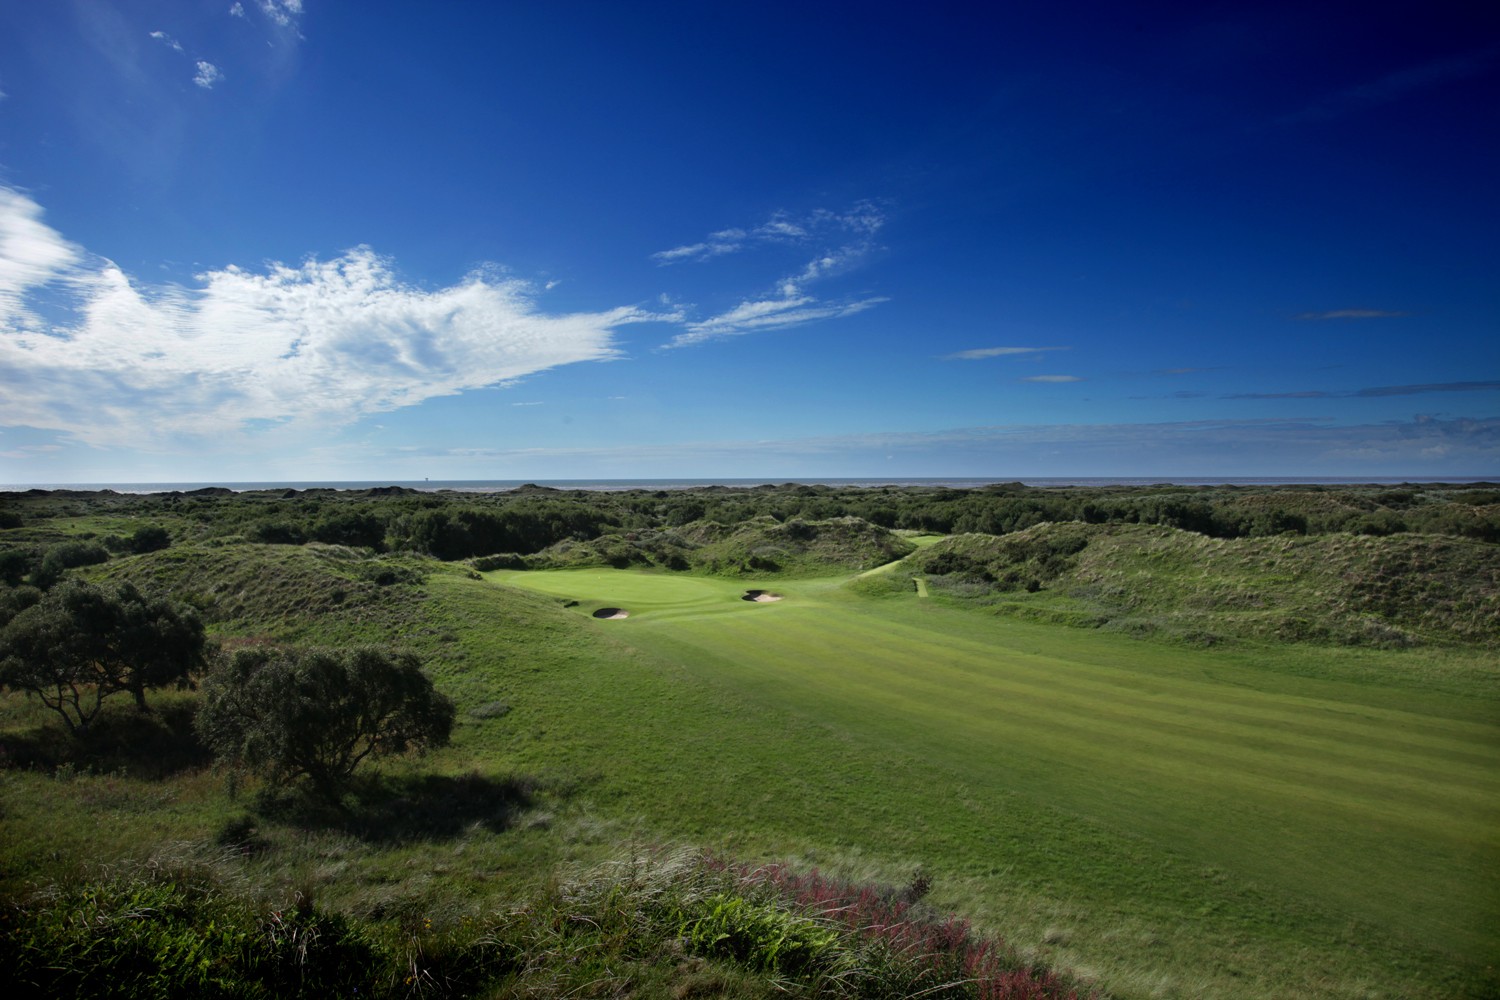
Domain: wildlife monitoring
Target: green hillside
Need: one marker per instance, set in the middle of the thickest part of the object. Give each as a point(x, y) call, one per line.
point(1398, 590)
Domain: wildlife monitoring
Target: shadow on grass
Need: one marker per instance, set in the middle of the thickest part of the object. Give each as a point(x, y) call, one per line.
point(398, 810)
point(152, 746)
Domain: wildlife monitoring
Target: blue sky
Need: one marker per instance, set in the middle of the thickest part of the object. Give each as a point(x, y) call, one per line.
point(312, 240)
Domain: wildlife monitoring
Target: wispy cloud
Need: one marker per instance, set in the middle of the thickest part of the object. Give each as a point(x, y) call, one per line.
point(769, 314)
point(846, 239)
point(1052, 378)
point(1394, 86)
point(980, 353)
point(205, 75)
point(208, 74)
point(1378, 391)
point(863, 219)
point(237, 9)
point(313, 345)
point(167, 40)
point(716, 245)
point(1353, 314)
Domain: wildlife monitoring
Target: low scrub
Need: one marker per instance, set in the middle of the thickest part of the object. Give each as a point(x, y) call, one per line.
point(763, 545)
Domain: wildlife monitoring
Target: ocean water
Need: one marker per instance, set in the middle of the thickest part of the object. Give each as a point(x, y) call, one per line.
point(955, 482)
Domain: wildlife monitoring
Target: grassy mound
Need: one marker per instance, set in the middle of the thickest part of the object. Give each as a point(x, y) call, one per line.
point(312, 592)
point(645, 548)
point(763, 545)
point(1397, 590)
point(760, 546)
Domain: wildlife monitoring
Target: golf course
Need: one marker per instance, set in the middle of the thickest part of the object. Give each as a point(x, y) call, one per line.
point(1134, 743)
point(1165, 770)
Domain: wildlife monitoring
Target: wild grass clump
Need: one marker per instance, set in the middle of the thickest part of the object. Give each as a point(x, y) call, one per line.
point(810, 934)
point(146, 937)
point(887, 943)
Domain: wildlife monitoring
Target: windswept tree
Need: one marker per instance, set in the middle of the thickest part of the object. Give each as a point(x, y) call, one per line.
point(81, 643)
point(319, 713)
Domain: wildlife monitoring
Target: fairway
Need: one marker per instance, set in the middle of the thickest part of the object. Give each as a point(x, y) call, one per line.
point(1355, 801)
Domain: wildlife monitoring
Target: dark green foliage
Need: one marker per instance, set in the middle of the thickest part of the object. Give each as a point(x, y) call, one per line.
point(65, 556)
point(150, 538)
point(1028, 560)
point(763, 545)
point(14, 565)
point(523, 526)
point(280, 531)
point(82, 643)
point(161, 939)
point(355, 528)
point(319, 713)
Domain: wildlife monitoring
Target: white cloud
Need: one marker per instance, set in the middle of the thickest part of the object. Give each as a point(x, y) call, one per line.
point(768, 314)
point(980, 353)
point(718, 244)
point(863, 220)
point(311, 346)
point(283, 12)
point(208, 74)
point(237, 9)
point(168, 40)
point(848, 238)
point(32, 254)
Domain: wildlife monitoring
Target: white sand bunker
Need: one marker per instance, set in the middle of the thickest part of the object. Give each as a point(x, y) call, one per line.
point(612, 613)
point(760, 596)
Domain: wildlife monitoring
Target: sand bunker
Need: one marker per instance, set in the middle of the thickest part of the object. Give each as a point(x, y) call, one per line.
point(760, 596)
point(612, 613)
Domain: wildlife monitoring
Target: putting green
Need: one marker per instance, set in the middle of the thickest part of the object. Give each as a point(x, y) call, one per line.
point(1355, 797)
point(644, 595)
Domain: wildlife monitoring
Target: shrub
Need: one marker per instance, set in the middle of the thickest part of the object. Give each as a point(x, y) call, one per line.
point(319, 713)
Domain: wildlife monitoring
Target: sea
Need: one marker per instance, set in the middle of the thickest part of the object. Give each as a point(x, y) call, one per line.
point(617, 485)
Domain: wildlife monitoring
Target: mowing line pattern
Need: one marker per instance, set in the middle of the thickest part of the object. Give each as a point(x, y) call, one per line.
point(1386, 814)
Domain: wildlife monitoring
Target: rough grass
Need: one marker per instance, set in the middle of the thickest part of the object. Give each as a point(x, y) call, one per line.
point(1394, 591)
point(304, 593)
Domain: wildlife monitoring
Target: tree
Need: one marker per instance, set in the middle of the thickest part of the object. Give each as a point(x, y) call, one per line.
point(81, 643)
point(319, 713)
